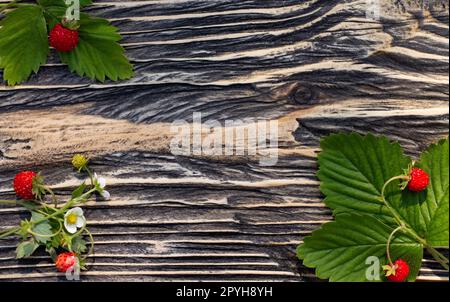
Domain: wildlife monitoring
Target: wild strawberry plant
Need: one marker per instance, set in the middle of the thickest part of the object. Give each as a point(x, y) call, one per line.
point(60, 229)
point(386, 206)
point(89, 46)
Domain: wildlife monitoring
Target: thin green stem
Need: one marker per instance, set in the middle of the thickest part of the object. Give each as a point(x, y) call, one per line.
point(8, 232)
point(10, 201)
point(399, 177)
point(441, 256)
point(91, 176)
point(45, 235)
point(437, 256)
point(383, 197)
point(54, 199)
point(79, 232)
point(91, 239)
point(388, 245)
point(69, 204)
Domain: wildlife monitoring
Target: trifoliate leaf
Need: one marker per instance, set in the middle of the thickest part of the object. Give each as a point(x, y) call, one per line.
point(98, 54)
point(26, 249)
point(43, 228)
point(23, 43)
point(340, 249)
point(427, 212)
point(353, 170)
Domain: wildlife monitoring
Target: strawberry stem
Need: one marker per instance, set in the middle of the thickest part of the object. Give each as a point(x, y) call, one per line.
point(388, 245)
point(399, 177)
point(436, 255)
point(8, 232)
point(54, 199)
point(44, 235)
point(69, 204)
point(383, 198)
point(91, 239)
point(10, 201)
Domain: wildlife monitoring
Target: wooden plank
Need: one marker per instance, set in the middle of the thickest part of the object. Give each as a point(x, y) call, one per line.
point(315, 67)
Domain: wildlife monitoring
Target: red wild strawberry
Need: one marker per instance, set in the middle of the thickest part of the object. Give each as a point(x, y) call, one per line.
point(63, 39)
point(398, 272)
point(419, 180)
point(65, 260)
point(23, 184)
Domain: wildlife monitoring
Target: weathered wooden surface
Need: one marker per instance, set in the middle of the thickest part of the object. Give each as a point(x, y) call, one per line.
point(316, 66)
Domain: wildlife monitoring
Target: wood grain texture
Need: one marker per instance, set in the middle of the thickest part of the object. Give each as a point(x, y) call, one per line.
point(315, 66)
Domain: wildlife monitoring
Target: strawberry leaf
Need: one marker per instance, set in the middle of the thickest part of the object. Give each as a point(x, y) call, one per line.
point(427, 212)
point(339, 249)
point(98, 54)
point(42, 231)
point(23, 43)
point(353, 170)
point(26, 249)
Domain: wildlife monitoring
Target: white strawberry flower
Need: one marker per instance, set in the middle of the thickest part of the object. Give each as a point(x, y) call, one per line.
point(74, 219)
point(100, 183)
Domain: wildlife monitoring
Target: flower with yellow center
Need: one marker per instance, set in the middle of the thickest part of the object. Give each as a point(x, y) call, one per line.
point(74, 219)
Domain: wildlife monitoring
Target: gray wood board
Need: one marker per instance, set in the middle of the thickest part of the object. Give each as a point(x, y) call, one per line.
point(315, 66)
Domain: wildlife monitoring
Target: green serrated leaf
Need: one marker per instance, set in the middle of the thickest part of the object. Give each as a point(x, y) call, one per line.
point(340, 248)
point(353, 170)
point(79, 245)
point(98, 54)
point(427, 212)
point(23, 43)
point(26, 249)
point(43, 228)
point(79, 191)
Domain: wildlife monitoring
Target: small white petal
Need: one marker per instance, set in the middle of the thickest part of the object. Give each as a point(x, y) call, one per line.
point(105, 194)
point(81, 222)
point(71, 228)
point(78, 211)
point(95, 175)
point(102, 182)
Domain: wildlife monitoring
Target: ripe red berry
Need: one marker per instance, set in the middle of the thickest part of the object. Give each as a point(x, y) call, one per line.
point(23, 184)
point(419, 180)
point(65, 260)
point(63, 39)
point(399, 272)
